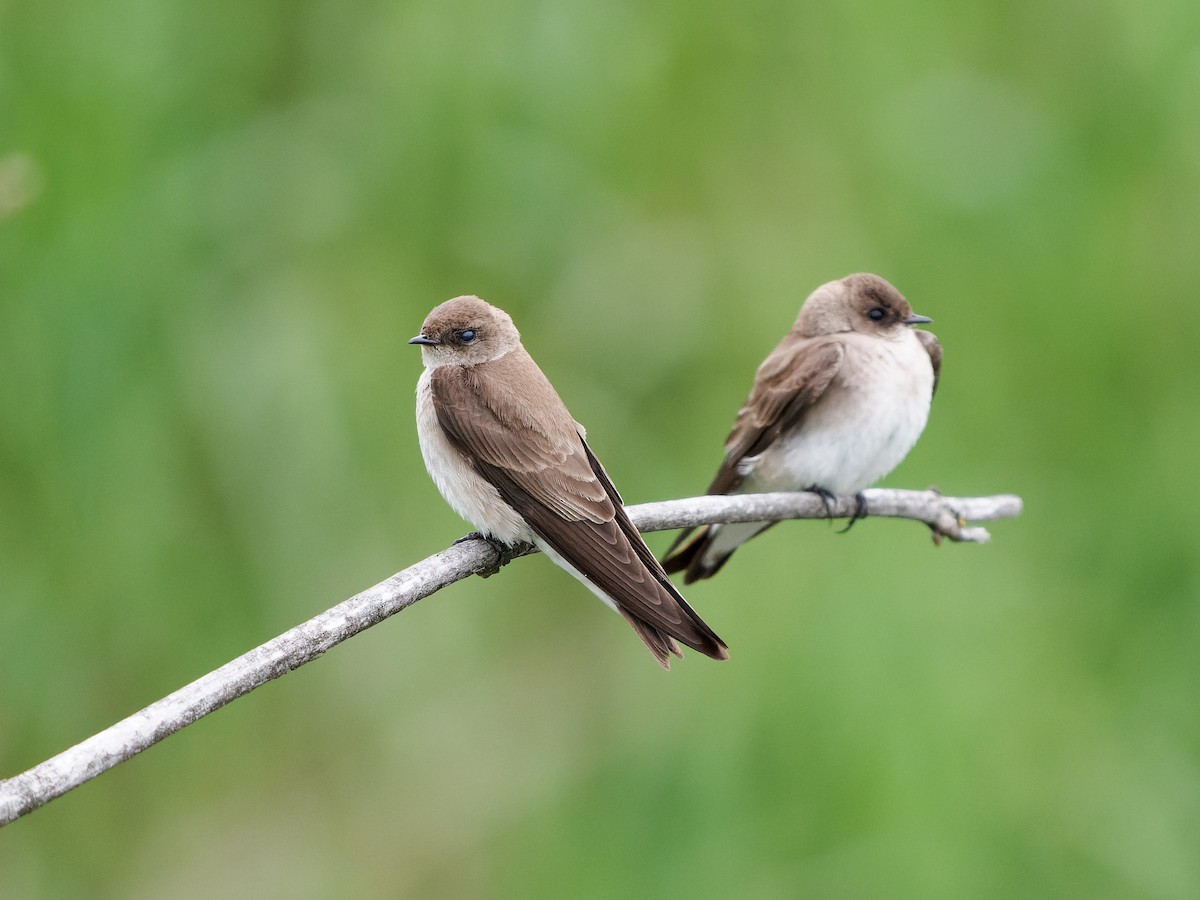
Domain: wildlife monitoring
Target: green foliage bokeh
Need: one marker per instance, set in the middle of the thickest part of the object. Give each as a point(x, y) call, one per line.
point(219, 223)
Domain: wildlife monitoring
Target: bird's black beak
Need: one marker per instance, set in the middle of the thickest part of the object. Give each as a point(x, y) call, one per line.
point(424, 341)
point(914, 319)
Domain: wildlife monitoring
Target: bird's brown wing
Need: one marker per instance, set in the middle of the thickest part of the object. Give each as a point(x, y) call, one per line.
point(506, 418)
point(934, 349)
point(788, 383)
point(793, 377)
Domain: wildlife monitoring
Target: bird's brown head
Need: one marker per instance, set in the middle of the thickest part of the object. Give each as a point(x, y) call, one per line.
point(864, 303)
point(466, 331)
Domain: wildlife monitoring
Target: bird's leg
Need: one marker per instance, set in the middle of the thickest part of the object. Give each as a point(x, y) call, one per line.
point(504, 552)
point(860, 511)
point(827, 498)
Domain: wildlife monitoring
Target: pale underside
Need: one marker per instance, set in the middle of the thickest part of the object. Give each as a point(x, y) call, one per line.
point(860, 429)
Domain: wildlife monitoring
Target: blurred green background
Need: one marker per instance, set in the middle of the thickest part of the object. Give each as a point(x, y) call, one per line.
point(220, 222)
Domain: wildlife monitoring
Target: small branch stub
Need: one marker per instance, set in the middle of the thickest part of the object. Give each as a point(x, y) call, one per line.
point(946, 516)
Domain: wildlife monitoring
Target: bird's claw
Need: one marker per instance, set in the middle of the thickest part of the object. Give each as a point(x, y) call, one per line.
point(504, 553)
point(828, 499)
point(860, 511)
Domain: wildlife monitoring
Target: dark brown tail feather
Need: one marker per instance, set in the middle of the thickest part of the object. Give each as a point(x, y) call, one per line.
point(659, 644)
point(679, 555)
point(689, 558)
point(692, 631)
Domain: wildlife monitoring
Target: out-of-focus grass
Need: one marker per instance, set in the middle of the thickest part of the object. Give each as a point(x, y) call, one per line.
point(219, 225)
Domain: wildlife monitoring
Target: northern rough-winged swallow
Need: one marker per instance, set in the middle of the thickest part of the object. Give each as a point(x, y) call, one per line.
point(507, 456)
point(835, 407)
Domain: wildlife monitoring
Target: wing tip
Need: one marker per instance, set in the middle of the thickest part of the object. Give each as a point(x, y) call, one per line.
point(663, 646)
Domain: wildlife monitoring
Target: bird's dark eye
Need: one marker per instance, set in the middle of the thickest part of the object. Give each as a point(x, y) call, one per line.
point(876, 314)
point(467, 336)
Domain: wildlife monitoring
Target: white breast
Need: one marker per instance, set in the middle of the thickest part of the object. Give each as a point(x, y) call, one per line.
point(468, 494)
point(861, 429)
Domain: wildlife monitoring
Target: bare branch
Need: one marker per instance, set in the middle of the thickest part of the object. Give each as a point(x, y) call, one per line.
point(946, 516)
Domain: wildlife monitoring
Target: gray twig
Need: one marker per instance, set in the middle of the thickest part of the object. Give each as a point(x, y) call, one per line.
point(946, 516)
